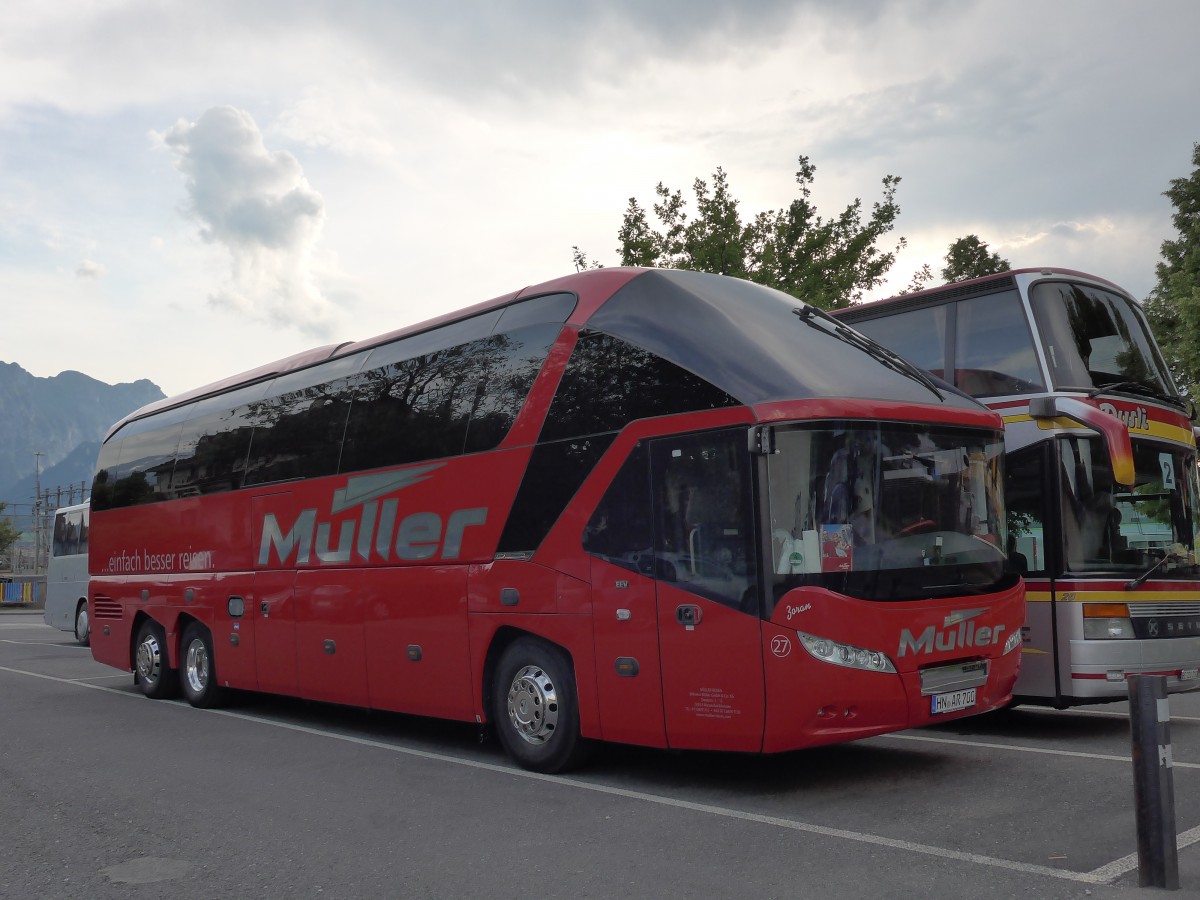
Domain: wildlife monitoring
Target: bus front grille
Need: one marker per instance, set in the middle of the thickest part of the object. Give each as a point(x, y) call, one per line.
point(1145, 610)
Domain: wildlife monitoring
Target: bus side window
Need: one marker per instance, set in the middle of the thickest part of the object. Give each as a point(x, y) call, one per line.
point(84, 527)
point(60, 535)
point(918, 335)
point(703, 525)
point(994, 351)
point(512, 362)
point(619, 530)
point(1025, 474)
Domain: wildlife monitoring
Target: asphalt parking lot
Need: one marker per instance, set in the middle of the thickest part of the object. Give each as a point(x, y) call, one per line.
point(103, 793)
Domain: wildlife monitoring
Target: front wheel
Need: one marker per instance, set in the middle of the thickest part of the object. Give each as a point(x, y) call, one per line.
point(151, 667)
point(197, 672)
point(535, 707)
point(83, 628)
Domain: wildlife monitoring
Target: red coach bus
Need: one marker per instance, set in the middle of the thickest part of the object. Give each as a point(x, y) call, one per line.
point(646, 506)
point(1102, 490)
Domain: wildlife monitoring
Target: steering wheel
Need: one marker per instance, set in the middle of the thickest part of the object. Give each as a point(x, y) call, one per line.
point(919, 527)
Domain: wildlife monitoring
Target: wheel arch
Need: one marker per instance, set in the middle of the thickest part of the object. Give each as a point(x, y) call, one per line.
point(186, 619)
point(570, 634)
point(579, 662)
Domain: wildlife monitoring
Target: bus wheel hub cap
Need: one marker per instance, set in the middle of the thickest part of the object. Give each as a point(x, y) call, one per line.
point(533, 705)
point(197, 666)
point(149, 659)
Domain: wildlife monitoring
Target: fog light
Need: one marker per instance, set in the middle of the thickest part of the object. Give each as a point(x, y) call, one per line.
point(1108, 629)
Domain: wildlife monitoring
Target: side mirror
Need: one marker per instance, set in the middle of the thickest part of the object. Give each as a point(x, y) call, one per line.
point(1112, 429)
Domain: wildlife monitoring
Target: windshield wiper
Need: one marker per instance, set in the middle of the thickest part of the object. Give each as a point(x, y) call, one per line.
point(875, 350)
point(1137, 387)
point(1140, 580)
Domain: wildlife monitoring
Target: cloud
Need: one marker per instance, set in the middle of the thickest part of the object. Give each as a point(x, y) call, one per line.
point(89, 268)
point(258, 205)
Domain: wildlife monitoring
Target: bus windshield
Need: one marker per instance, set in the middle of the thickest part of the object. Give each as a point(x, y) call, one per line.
point(1119, 530)
point(887, 511)
point(1094, 339)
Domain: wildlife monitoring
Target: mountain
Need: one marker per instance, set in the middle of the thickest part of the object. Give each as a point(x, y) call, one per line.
point(66, 418)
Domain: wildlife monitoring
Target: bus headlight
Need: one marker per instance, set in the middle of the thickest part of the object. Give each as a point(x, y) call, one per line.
point(845, 654)
point(1107, 621)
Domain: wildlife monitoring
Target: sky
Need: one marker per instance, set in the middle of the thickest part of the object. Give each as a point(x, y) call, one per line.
point(191, 190)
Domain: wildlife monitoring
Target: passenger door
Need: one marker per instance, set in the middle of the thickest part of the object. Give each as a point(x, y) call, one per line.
point(707, 591)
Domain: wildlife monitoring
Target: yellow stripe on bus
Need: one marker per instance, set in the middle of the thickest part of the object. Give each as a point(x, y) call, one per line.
point(1114, 596)
point(1161, 430)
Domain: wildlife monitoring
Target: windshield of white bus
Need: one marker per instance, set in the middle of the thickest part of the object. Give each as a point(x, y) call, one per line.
point(887, 511)
point(1110, 528)
point(1093, 338)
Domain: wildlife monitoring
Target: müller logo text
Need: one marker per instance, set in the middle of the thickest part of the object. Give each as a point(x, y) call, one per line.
point(958, 632)
point(377, 533)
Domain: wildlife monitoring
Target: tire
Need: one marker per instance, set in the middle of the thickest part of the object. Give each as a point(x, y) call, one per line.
point(535, 707)
point(83, 625)
point(151, 669)
point(197, 669)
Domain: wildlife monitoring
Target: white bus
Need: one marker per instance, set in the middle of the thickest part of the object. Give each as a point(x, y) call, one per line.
point(1100, 458)
point(67, 576)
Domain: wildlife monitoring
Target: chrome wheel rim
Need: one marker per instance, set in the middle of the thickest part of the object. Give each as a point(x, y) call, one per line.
point(533, 705)
point(196, 666)
point(149, 659)
point(81, 624)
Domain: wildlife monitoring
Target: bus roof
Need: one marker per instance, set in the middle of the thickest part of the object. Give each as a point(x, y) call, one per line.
point(744, 338)
point(969, 286)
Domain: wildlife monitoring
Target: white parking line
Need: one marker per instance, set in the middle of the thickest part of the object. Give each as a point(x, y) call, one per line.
point(1098, 713)
point(1102, 875)
point(42, 644)
point(1017, 748)
point(1118, 867)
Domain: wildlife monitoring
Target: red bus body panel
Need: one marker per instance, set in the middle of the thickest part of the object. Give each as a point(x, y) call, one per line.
point(812, 702)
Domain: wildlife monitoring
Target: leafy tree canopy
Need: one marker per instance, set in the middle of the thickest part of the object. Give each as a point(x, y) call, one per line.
point(829, 262)
point(8, 533)
point(968, 257)
point(1173, 306)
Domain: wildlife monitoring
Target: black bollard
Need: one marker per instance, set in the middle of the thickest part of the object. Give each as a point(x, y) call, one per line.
point(1153, 782)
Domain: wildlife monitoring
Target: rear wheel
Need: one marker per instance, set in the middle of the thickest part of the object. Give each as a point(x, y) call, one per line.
point(535, 707)
point(151, 668)
point(83, 627)
point(197, 672)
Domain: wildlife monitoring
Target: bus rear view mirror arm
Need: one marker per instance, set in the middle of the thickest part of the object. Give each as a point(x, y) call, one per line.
point(1113, 430)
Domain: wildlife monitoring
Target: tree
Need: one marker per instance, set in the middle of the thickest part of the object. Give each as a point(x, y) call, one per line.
point(8, 532)
point(968, 257)
point(1173, 306)
point(919, 281)
point(827, 262)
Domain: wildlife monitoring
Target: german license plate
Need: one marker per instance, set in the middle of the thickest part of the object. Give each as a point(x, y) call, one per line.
point(955, 700)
